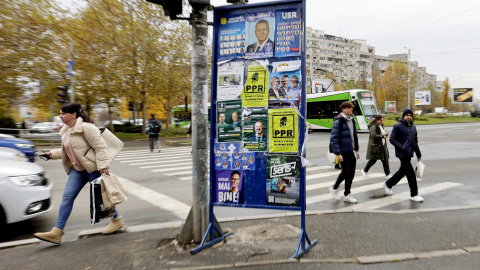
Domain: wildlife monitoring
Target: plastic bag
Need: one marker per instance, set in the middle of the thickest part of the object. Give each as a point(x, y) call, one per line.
point(332, 157)
point(98, 211)
point(419, 169)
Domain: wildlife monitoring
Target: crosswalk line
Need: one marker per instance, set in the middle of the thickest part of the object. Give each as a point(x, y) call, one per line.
point(164, 150)
point(403, 196)
point(179, 173)
point(178, 208)
point(316, 168)
point(154, 156)
point(164, 165)
point(330, 183)
point(161, 161)
point(186, 178)
point(172, 169)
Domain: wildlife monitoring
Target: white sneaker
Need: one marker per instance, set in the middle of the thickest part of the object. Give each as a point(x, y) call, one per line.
point(388, 191)
point(159, 149)
point(349, 199)
point(416, 198)
point(334, 193)
point(388, 176)
point(364, 173)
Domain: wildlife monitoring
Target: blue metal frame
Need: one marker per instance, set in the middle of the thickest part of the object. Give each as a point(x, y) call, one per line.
point(302, 246)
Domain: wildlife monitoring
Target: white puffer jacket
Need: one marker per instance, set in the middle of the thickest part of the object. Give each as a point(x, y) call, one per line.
point(84, 136)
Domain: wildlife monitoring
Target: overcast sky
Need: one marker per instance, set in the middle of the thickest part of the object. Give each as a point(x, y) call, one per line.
point(444, 36)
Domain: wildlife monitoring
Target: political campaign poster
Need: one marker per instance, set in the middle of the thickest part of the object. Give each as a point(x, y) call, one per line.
point(285, 85)
point(230, 80)
point(228, 156)
point(423, 97)
point(462, 95)
point(254, 92)
point(322, 86)
point(287, 32)
point(229, 127)
point(260, 31)
point(390, 106)
point(255, 131)
point(283, 131)
point(283, 180)
point(228, 186)
point(231, 38)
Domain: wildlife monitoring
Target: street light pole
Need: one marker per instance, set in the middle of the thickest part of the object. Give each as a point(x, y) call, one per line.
point(409, 93)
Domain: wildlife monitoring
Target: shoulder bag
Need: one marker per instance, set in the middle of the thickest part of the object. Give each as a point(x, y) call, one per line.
point(114, 145)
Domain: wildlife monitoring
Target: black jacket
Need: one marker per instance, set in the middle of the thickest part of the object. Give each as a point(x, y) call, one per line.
point(340, 139)
point(404, 138)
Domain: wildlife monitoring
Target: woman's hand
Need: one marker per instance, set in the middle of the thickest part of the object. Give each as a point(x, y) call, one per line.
point(105, 171)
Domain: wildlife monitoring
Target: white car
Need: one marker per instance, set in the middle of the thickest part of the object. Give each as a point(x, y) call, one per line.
point(25, 191)
point(12, 154)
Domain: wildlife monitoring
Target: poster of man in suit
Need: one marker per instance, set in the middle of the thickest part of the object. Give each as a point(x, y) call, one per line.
point(260, 30)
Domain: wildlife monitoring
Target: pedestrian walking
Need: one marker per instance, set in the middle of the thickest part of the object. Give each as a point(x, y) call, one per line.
point(152, 131)
point(377, 146)
point(344, 141)
point(78, 135)
point(404, 138)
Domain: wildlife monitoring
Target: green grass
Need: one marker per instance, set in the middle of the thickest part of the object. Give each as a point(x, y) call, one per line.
point(391, 120)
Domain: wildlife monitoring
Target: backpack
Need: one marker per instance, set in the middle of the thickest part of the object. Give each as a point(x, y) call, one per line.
point(155, 126)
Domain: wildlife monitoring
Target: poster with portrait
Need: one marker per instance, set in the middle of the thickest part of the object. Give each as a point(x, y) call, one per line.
point(230, 80)
point(231, 39)
point(255, 129)
point(462, 95)
point(287, 34)
point(285, 84)
point(229, 127)
point(260, 33)
point(228, 186)
point(254, 92)
point(228, 156)
point(283, 180)
point(283, 131)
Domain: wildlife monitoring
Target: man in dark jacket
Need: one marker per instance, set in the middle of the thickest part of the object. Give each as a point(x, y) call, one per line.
point(152, 131)
point(404, 138)
point(344, 141)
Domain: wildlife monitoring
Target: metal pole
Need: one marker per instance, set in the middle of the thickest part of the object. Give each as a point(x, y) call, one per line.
point(409, 94)
point(71, 89)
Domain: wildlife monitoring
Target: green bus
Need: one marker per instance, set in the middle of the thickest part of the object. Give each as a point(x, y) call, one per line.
point(323, 107)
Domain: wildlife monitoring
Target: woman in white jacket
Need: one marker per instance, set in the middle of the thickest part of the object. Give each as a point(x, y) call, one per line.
point(78, 135)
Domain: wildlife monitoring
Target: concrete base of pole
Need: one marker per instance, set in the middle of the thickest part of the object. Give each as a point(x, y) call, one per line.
point(194, 229)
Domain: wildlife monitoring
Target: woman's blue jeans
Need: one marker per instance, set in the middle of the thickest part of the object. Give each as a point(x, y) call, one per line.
point(76, 181)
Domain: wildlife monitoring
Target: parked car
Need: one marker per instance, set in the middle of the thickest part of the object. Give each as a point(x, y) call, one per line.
point(24, 146)
point(12, 154)
point(45, 127)
point(25, 191)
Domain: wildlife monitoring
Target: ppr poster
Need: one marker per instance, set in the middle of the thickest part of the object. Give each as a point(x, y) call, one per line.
point(229, 126)
point(231, 39)
point(255, 129)
point(230, 80)
point(228, 156)
point(283, 180)
point(287, 38)
point(228, 186)
point(283, 131)
point(255, 91)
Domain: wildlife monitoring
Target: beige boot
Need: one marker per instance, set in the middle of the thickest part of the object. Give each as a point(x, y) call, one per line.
point(114, 225)
point(54, 236)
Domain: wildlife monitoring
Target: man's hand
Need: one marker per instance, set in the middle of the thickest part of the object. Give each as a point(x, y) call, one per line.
point(419, 159)
point(340, 158)
point(358, 154)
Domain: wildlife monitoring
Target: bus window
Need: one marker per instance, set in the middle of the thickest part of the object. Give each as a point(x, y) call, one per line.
point(323, 109)
point(368, 103)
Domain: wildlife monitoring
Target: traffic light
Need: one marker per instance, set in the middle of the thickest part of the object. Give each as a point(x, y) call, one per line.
point(63, 93)
point(171, 8)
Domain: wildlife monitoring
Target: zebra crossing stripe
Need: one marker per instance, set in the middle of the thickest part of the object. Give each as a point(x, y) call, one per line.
point(178, 173)
point(177, 208)
point(146, 151)
point(172, 169)
point(185, 178)
point(162, 161)
point(164, 165)
point(316, 168)
point(403, 196)
point(154, 156)
point(330, 183)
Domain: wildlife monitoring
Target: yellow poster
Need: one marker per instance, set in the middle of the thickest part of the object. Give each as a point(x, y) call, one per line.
point(283, 130)
point(255, 91)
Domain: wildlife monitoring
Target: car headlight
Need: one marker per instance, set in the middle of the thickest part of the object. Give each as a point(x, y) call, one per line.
point(28, 180)
point(24, 145)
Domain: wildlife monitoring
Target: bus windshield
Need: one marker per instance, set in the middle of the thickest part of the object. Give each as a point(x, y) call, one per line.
point(368, 103)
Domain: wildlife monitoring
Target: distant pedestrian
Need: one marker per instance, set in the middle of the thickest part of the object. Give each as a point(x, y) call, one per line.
point(344, 141)
point(78, 135)
point(404, 138)
point(152, 131)
point(189, 132)
point(377, 146)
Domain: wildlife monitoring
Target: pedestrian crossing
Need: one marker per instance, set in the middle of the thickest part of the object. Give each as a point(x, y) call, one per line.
point(176, 163)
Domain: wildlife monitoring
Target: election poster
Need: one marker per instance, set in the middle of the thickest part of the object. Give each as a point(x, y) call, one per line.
point(230, 80)
point(423, 98)
point(287, 38)
point(229, 127)
point(283, 131)
point(255, 131)
point(390, 106)
point(228, 156)
point(231, 39)
point(285, 85)
point(256, 86)
point(228, 186)
point(462, 95)
point(283, 180)
point(260, 31)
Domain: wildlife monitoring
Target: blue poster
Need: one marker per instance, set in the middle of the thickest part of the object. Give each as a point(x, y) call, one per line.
point(287, 35)
point(231, 40)
point(260, 34)
point(229, 157)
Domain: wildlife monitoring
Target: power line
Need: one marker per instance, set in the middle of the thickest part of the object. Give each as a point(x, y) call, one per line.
point(447, 52)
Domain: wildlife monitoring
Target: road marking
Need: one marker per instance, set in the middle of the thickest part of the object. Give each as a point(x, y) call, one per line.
point(165, 165)
point(185, 178)
point(164, 150)
point(172, 169)
point(153, 156)
point(355, 180)
point(162, 161)
point(178, 173)
point(310, 169)
point(178, 208)
point(403, 196)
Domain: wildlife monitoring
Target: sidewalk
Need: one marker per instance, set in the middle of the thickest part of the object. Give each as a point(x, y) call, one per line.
point(268, 243)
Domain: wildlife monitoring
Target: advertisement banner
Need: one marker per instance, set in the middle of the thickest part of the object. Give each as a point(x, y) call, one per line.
point(255, 91)
point(260, 34)
point(228, 186)
point(462, 95)
point(255, 133)
point(283, 131)
point(229, 127)
point(423, 98)
point(390, 106)
point(285, 84)
point(287, 38)
point(229, 157)
point(283, 180)
point(322, 86)
point(231, 38)
point(230, 80)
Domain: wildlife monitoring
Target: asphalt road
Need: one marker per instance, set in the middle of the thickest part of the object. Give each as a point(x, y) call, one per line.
point(160, 185)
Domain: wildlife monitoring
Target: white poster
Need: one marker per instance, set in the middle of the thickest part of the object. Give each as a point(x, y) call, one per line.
point(423, 97)
point(230, 80)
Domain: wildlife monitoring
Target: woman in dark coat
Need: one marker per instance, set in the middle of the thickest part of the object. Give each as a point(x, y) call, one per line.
point(377, 146)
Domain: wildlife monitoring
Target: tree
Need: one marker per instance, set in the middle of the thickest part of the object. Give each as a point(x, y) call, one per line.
point(395, 83)
point(446, 88)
